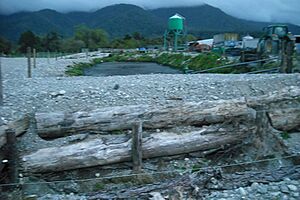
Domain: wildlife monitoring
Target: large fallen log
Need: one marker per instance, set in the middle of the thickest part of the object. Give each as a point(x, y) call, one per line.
point(96, 152)
point(285, 119)
point(59, 124)
point(238, 119)
point(282, 107)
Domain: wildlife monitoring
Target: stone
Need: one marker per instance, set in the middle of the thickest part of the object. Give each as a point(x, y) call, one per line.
point(274, 188)
point(255, 186)
point(285, 197)
point(53, 94)
point(275, 194)
point(116, 87)
point(284, 189)
point(2, 121)
point(287, 179)
point(296, 194)
point(214, 181)
point(292, 188)
point(242, 191)
point(215, 97)
point(62, 92)
point(294, 182)
point(71, 187)
point(262, 190)
point(31, 197)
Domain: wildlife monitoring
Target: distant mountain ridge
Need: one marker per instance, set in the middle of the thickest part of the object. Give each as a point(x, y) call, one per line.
point(122, 19)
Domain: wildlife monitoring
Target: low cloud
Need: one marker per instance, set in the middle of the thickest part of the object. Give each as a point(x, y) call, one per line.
point(258, 10)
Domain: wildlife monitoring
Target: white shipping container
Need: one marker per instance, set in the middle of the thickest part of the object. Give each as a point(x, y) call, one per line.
point(250, 43)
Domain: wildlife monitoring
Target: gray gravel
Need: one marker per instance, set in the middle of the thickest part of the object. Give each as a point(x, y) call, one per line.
point(49, 89)
point(284, 190)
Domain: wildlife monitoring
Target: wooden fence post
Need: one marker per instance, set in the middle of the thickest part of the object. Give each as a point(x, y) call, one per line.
point(87, 53)
point(1, 82)
point(48, 57)
point(136, 148)
point(12, 156)
point(34, 58)
point(287, 57)
point(29, 62)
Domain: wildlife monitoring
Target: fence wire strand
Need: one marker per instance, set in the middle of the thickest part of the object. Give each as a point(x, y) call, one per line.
point(234, 65)
point(156, 173)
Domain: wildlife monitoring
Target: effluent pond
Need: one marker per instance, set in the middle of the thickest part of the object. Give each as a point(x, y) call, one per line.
point(128, 68)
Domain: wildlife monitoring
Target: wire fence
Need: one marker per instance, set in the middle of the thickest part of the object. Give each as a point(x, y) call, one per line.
point(187, 169)
point(218, 129)
point(236, 65)
point(179, 171)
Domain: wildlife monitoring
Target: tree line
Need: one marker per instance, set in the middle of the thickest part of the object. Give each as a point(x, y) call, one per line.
point(83, 37)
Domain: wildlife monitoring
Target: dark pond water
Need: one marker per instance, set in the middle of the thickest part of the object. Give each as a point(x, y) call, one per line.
point(127, 68)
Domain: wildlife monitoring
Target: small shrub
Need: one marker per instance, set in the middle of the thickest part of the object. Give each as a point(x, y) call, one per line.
point(99, 186)
point(77, 69)
point(285, 135)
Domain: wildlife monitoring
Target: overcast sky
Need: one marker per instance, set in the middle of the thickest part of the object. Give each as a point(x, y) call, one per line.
point(259, 10)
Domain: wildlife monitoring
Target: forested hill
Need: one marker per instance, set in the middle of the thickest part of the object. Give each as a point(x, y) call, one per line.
point(122, 19)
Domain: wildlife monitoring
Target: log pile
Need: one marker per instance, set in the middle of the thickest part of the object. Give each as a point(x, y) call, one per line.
point(221, 123)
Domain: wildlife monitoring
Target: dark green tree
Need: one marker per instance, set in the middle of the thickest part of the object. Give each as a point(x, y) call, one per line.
point(51, 42)
point(5, 46)
point(71, 45)
point(127, 37)
point(28, 39)
point(92, 38)
point(137, 36)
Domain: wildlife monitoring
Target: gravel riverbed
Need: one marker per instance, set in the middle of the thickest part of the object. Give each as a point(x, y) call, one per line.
point(50, 90)
point(285, 190)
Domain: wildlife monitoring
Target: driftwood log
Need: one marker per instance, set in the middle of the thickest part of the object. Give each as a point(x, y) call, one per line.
point(96, 152)
point(285, 119)
point(231, 122)
point(283, 109)
point(59, 124)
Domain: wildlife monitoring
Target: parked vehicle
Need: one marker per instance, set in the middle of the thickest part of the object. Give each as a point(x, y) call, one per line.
point(276, 38)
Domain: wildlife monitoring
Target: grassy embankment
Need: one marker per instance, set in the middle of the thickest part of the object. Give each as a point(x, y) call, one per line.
point(176, 60)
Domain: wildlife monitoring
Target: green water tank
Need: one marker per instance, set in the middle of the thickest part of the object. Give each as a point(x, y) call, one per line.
point(176, 22)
